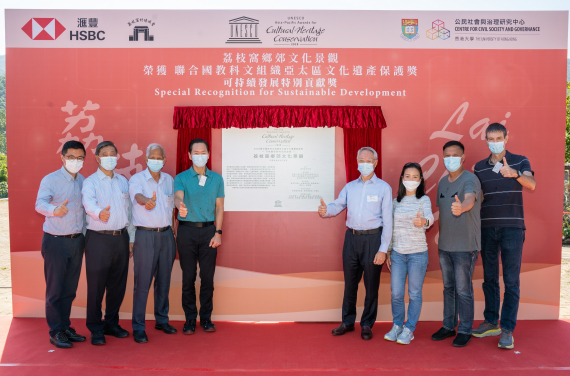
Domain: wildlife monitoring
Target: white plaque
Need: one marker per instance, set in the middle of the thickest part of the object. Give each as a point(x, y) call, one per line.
point(278, 169)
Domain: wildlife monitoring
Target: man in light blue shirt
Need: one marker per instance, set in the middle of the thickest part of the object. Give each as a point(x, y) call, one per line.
point(63, 243)
point(152, 194)
point(109, 228)
point(368, 201)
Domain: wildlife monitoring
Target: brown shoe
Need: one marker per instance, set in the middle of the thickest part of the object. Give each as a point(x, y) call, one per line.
point(342, 329)
point(366, 333)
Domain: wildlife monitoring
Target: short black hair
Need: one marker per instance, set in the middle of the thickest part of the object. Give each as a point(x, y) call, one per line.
point(454, 143)
point(198, 141)
point(103, 145)
point(420, 191)
point(496, 127)
point(72, 145)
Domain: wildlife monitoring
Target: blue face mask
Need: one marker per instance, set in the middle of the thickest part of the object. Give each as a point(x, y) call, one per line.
point(200, 159)
point(366, 168)
point(497, 147)
point(155, 165)
point(109, 163)
point(452, 163)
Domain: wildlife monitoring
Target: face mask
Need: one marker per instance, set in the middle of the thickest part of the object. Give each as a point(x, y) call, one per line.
point(109, 163)
point(497, 147)
point(73, 166)
point(366, 168)
point(155, 165)
point(452, 163)
point(411, 185)
point(200, 159)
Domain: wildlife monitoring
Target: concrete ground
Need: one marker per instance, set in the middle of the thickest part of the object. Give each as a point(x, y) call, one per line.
point(6, 282)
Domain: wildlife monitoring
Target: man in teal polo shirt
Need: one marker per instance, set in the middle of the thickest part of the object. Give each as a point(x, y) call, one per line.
point(199, 198)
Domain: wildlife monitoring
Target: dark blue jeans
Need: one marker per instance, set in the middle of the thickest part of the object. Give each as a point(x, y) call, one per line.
point(458, 299)
point(509, 242)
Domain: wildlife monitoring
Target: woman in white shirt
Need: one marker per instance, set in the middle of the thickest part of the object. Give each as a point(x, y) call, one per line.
point(408, 256)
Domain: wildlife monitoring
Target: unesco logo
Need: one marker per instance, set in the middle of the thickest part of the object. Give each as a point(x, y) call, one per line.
point(243, 30)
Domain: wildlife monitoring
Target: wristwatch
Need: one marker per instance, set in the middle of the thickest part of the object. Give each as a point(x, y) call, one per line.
point(519, 174)
point(219, 232)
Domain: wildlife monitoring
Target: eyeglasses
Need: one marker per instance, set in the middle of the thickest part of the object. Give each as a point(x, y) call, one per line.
point(74, 158)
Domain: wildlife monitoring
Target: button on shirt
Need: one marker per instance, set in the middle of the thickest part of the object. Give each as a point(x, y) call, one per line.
point(369, 206)
point(503, 199)
point(161, 214)
point(100, 191)
point(55, 188)
point(199, 200)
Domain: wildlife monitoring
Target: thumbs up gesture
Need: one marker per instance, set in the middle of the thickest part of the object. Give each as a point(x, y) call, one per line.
point(105, 214)
point(322, 208)
point(507, 171)
point(419, 221)
point(61, 210)
point(457, 207)
point(151, 203)
point(183, 211)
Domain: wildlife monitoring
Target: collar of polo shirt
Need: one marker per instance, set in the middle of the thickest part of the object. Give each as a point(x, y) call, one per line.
point(66, 174)
point(194, 173)
point(507, 155)
point(101, 175)
point(374, 179)
point(148, 176)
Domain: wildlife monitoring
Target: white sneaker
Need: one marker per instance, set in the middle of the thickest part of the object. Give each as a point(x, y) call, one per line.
point(405, 337)
point(393, 334)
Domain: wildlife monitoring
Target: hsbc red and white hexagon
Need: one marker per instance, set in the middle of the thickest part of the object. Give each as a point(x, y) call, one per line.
point(43, 28)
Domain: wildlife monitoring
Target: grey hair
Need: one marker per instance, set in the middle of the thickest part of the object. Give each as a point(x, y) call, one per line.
point(151, 147)
point(104, 144)
point(369, 149)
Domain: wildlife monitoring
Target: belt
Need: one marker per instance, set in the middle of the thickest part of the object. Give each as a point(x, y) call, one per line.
point(72, 236)
point(365, 232)
point(111, 232)
point(156, 229)
point(196, 224)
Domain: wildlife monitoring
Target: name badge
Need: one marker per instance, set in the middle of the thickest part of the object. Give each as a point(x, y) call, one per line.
point(372, 198)
point(497, 167)
point(125, 194)
point(202, 180)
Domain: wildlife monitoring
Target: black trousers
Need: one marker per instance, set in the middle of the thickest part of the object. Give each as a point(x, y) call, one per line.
point(107, 266)
point(62, 267)
point(153, 254)
point(194, 246)
point(358, 259)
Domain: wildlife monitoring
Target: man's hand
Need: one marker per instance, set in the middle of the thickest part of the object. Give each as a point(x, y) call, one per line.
point(216, 241)
point(388, 261)
point(61, 210)
point(131, 249)
point(419, 221)
point(105, 214)
point(322, 208)
point(183, 211)
point(151, 203)
point(457, 207)
point(508, 172)
point(379, 258)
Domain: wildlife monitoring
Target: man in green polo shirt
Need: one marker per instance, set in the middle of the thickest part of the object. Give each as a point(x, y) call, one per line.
point(199, 198)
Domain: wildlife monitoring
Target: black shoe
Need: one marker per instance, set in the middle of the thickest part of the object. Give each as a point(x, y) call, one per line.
point(72, 335)
point(166, 328)
point(366, 333)
point(117, 331)
point(342, 329)
point(60, 340)
point(461, 340)
point(98, 338)
point(189, 327)
point(442, 334)
point(140, 336)
point(208, 325)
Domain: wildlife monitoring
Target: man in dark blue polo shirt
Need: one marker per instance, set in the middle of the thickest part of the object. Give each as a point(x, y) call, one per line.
point(503, 176)
point(199, 198)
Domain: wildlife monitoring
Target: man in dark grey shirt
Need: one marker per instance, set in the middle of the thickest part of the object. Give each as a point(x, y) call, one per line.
point(459, 202)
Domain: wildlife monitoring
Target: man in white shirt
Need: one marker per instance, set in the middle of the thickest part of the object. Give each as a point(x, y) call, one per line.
point(152, 194)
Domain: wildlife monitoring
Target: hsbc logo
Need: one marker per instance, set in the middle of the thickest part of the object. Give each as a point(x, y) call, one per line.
point(43, 28)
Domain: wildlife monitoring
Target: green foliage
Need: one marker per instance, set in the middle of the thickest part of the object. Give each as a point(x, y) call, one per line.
point(3, 189)
point(567, 156)
point(3, 92)
point(3, 168)
point(3, 131)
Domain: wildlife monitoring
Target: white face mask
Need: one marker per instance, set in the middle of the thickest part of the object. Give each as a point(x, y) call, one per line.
point(73, 166)
point(411, 185)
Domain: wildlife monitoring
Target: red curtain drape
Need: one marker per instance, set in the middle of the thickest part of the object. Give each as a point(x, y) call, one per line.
point(362, 126)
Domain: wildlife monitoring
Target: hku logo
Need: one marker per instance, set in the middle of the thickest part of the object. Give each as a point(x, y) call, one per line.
point(43, 28)
point(409, 30)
